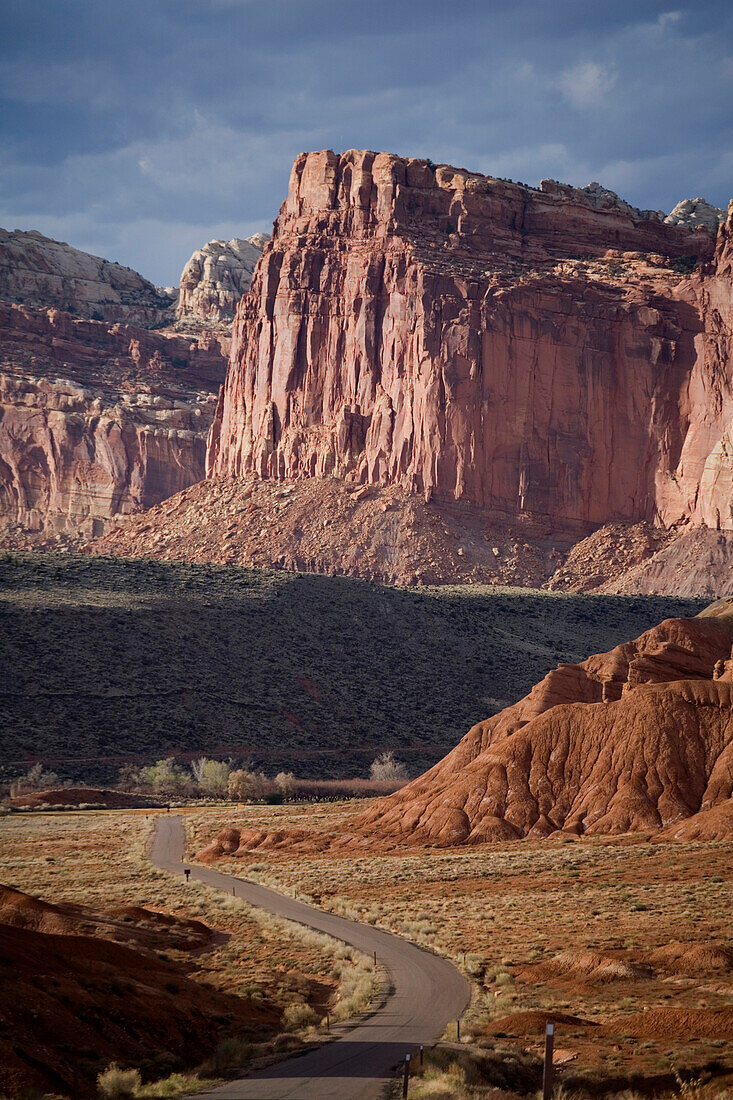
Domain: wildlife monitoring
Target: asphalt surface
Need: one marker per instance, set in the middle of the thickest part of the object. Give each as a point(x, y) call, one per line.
point(425, 993)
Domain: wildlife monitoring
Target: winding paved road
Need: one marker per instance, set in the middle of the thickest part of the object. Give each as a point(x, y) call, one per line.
point(426, 993)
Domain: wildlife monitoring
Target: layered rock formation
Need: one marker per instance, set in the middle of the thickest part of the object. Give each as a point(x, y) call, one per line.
point(96, 420)
point(216, 277)
point(640, 738)
point(38, 271)
point(524, 351)
point(543, 367)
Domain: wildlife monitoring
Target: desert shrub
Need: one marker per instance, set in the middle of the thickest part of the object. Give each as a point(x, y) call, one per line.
point(174, 1085)
point(385, 767)
point(231, 1053)
point(116, 1083)
point(244, 784)
point(298, 1015)
point(684, 265)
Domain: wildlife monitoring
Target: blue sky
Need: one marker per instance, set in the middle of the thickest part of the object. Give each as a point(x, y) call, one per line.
point(139, 129)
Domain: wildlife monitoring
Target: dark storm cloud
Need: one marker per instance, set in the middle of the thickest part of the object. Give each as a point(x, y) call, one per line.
point(141, 129)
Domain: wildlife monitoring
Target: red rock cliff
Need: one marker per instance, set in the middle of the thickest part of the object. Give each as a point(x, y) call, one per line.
point(527, 351)
point(96, 420)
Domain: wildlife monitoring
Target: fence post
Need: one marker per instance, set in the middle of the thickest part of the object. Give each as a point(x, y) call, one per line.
point(406, 1079)
point(547, 1068)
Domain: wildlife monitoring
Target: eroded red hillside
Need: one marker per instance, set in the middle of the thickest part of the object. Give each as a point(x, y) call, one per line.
point(640, 738)
point(72, 1000)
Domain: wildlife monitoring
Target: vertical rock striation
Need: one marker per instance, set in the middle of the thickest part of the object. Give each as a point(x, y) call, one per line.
point(551, 353)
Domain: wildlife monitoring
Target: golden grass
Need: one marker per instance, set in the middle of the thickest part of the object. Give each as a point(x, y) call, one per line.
point(498, 910)
point(99, 858)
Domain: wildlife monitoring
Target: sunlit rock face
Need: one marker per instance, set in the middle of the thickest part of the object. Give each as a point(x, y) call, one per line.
point(40, 272)
point(97, 420)
point(549, 353)
point(216, 277)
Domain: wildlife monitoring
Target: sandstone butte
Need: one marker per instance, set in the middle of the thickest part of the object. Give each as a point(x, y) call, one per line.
point(96, 419)
point(550, 358)
point(524, 351)
point(637, 739)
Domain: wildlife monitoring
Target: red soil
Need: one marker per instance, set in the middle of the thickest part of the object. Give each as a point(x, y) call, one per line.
point(639, 739)
point(71, 1004)
point(129, 924)
point(77, 796)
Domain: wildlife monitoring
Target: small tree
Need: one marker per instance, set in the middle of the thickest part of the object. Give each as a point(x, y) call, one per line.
point(128, 778)
point(214, 777)
point(166, 777)
point(386, 768)
point(286, 783)
point(35, 779)
point(248, 785)
point(197, 768)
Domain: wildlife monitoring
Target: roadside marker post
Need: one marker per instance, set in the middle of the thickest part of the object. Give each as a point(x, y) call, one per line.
point(375, 958)
point(458, 1031)
point(421, 1054)
point(406, 1078)
point(547, 1068)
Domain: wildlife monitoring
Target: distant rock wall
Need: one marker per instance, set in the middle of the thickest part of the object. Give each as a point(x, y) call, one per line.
point(546, 353)
point(694, 212)
point(216, 277)
point(97, 420)
point(37, 271)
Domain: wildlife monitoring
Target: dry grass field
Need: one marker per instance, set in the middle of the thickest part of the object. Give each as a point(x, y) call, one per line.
point(98, 859)
point(629, 937)
point(627, 942)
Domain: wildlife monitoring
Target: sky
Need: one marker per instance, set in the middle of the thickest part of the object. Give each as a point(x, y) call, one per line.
point(140, 129)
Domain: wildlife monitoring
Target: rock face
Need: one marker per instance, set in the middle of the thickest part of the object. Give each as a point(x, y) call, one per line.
point(638, 738)
point(693, 212)
point(37, 271)
point(96, 420)
point(216, 277)
point(528, 352)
